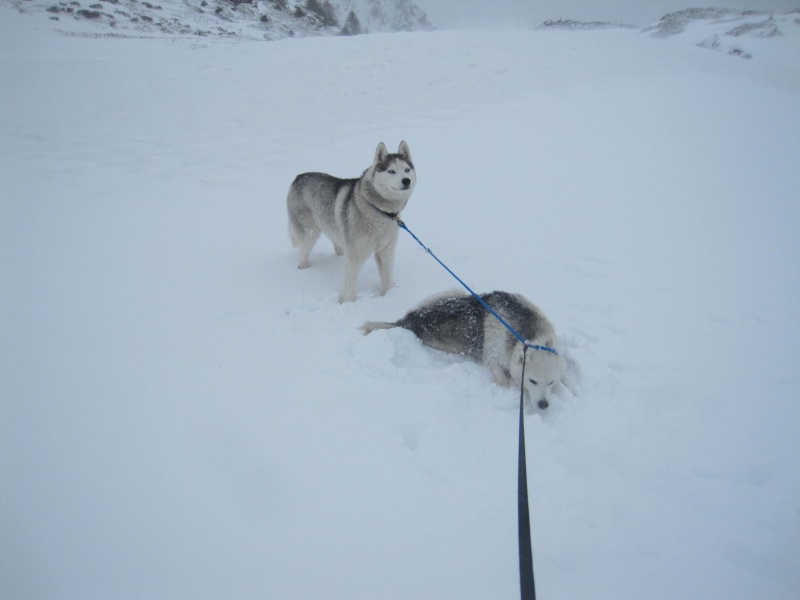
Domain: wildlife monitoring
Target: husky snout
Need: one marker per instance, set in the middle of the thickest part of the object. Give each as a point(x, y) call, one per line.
point(542, 404)
point(406, 183)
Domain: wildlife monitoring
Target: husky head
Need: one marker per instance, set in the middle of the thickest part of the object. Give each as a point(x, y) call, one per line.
point(393, 175)
point(543, 370)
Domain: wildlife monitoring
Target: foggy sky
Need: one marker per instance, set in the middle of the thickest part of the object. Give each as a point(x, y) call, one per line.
point(445, 14)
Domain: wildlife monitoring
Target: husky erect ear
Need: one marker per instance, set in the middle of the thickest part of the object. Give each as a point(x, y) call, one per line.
point(404, 151)
point(381, 153)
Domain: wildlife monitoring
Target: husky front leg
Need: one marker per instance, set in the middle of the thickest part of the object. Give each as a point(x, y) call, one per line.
point(385, 261)
point(352, 265)
point(501, 376)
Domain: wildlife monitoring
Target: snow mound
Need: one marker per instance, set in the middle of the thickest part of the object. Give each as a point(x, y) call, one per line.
point(573, 24)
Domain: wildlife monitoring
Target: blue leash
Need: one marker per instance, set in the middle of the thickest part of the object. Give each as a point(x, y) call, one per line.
point(513, 331)
point(526, 582)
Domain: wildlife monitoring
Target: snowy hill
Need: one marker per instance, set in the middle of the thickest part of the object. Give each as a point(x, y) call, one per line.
point(185, 414)
point(248, 19)
point(738, 33)
point(387, 15)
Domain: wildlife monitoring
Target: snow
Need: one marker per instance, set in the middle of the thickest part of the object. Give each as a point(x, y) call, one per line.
point(185, 414)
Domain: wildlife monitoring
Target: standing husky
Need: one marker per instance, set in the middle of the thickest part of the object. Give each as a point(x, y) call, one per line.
point(356, 214)
point(460, 324)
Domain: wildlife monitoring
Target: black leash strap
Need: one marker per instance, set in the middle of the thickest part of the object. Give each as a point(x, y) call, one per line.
point(526, 583)
point(527, 588)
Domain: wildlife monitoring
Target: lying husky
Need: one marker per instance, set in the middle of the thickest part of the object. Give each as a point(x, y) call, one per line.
point(356, 214)
point(458, 323)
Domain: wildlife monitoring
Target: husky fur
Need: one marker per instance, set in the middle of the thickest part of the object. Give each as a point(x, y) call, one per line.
point(358, 215)
point(458, 323)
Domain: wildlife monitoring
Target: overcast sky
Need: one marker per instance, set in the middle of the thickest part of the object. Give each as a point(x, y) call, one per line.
point(445, 14)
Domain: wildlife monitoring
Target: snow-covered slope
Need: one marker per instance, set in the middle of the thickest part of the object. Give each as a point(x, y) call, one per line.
point(387, 15)
point(248, 19)
point(185, 414)
point(738, 33)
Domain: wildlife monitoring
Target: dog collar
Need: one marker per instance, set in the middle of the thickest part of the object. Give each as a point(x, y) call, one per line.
point(538, 347)
point(391, 215)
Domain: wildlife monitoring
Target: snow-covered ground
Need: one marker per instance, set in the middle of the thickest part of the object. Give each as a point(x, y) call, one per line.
point(185, 414)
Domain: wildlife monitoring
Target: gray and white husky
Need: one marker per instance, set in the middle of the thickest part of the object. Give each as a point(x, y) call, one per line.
point(458, 323)
point(356, 214)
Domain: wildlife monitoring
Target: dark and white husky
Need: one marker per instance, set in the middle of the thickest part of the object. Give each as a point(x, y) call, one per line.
point(356, 214)
point(458, 323)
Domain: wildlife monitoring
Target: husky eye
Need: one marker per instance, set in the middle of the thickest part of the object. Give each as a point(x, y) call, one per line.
point(408, 170)
point(392, 171)
point(534, 382)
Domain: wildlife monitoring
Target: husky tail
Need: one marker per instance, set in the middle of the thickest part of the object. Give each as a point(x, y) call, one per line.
point(371, 326)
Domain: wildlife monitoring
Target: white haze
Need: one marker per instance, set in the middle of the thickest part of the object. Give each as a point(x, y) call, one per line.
point(460, 14)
